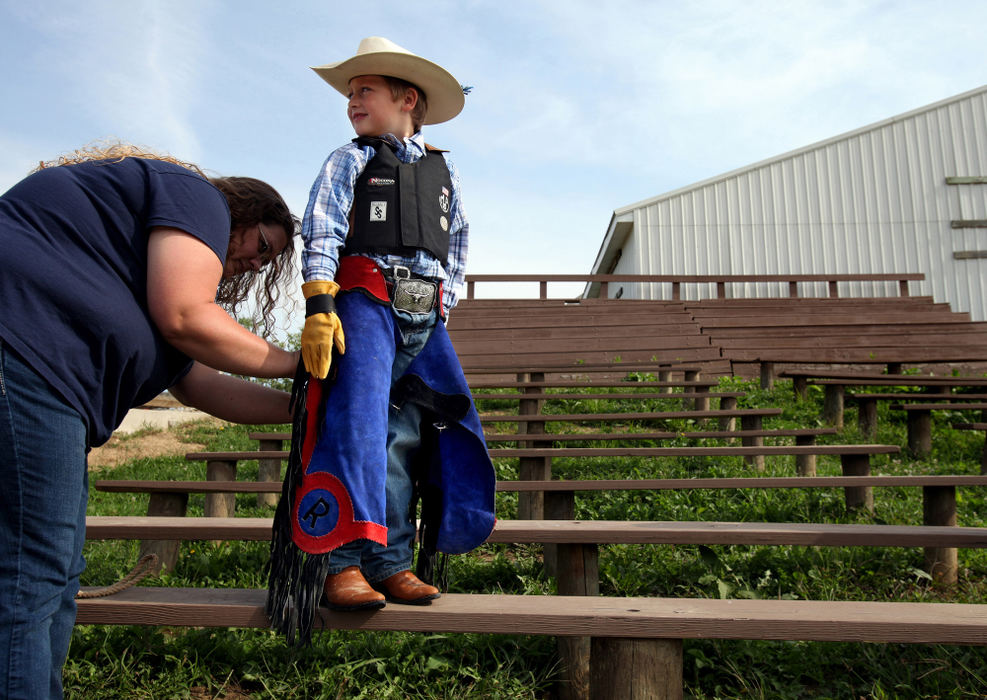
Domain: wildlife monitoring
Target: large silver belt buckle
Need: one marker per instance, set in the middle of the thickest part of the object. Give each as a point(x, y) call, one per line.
point(415, 296)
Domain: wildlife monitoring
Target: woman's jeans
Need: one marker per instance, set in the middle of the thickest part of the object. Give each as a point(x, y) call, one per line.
point(412, 331)
point(43, 491)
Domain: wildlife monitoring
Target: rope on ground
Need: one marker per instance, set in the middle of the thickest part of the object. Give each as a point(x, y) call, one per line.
point(142, 568)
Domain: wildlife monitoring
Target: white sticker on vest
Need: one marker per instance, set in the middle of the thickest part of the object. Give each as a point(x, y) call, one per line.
point(378, 211)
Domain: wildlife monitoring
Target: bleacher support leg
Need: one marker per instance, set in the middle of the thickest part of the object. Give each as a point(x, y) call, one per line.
point(748, 423)
point(164, 505)
point(767, 375)
point(728, 403)
point(833, 405)
point(805, 465)
point(800, 385)
point(939, 508)
point(531, 504)
point(269, 470)
point(636, 669)
point(220, 505)
point(578, 574)
point(867, 417)
point(857, 497)
point(920, 432)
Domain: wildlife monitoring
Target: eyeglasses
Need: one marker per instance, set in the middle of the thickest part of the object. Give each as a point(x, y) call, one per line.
point(263, 247)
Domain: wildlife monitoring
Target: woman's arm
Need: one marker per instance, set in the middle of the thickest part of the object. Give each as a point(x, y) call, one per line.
point(183, 274)
point(231, 398)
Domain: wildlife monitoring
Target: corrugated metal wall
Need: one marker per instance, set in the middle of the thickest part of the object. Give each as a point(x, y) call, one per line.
point(873, 200)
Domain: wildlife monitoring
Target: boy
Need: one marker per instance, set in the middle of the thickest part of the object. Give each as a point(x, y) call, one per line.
point(384, 261)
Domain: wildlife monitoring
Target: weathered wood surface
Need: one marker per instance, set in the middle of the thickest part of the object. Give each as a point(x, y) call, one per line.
point(751, 482)
point(649, 618)
point(583, 532)
point(700, 450)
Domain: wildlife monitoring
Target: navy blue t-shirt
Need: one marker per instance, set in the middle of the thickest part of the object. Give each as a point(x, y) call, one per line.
point(73, 278)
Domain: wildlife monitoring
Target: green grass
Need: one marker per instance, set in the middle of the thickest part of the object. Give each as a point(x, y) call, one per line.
point(121, 662)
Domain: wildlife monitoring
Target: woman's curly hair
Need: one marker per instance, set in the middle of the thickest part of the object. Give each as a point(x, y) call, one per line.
point(251, 202)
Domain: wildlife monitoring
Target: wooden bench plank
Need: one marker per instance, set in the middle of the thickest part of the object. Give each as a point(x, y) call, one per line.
point(629, 416)
point(700, 450)
point(582, 532)
point(560, 485)
point(697, 451)
point(798, 433)
point(683, 618)
point(648, 435)
point(594, 384)
point(612, 396)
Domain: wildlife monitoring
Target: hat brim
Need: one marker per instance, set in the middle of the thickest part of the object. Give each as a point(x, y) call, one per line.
point(442, 90)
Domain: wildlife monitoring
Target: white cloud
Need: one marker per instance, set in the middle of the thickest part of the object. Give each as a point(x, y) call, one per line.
point(123, 69)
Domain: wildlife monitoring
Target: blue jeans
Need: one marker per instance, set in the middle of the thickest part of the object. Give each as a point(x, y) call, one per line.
point(403, 437)
point(43, 492)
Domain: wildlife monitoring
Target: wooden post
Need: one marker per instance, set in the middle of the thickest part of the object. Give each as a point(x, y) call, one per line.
point(220, 505)
point(800, 385)
point(531, 504)
point(558, 505)
point(579, 574)
point(636, 669)
point(728, 403)
point(696, 404)
point(167, 505)
point(920, 432)
point(833, 405)
point(867, 417)
point(805, 465)
point(857, 497)
point(767, 375)
point(665, 375)
point(939, 508)
point(269, 470)
point(752, 423)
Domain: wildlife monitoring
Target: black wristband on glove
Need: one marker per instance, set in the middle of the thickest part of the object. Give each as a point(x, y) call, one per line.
point(320, 304)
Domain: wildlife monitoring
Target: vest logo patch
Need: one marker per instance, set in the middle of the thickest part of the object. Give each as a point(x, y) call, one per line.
point(378, 211)
point(444, 201)
point(380, 181)
point(444, 223)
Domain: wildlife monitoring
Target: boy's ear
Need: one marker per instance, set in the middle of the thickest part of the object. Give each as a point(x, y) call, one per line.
point(409, 100)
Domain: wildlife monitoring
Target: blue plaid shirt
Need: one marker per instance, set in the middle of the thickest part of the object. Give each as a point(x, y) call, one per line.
point(326, 222)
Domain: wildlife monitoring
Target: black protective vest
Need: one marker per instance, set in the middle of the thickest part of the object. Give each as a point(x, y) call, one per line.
point(400, 208)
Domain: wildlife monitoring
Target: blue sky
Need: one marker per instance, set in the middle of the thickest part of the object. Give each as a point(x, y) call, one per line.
point(578, 108)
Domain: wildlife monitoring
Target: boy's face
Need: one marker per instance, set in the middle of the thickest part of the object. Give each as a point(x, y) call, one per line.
point(373, 111)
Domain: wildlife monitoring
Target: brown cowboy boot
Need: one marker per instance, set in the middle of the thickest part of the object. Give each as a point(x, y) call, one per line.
point(404, 587)
point(348, 590)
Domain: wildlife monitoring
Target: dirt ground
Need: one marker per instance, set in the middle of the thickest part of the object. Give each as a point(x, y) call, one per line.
point(123, 448)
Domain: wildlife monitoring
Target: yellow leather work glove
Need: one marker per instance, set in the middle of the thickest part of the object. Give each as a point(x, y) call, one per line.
point(322, 327)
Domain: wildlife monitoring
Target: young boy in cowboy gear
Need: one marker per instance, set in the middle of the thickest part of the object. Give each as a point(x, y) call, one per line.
point(385, 242)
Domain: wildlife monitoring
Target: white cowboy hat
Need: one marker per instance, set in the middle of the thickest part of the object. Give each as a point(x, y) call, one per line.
point(379, 56)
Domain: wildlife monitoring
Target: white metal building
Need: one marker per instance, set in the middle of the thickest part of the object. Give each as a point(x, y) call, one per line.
point(908, 194)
